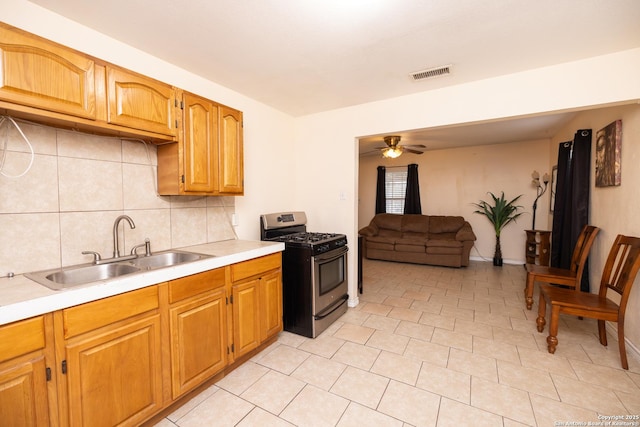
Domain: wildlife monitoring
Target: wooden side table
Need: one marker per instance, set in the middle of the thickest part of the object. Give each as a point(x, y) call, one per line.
point(538, 249)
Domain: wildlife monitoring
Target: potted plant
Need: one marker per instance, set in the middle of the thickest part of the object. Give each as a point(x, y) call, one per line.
point(500, 213)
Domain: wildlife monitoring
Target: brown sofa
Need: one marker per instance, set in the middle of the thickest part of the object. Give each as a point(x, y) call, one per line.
point(420, 239)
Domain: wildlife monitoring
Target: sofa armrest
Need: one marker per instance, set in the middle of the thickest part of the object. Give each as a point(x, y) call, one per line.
point(369, 230)
point(465, 233)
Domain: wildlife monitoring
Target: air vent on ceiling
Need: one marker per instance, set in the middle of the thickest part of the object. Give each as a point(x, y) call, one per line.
point(431, 72)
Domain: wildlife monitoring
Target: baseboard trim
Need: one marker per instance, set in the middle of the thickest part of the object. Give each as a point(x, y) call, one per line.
point(504, 261)
point(631, 347)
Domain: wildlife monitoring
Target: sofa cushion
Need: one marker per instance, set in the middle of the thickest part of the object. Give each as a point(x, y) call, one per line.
point(413, 223)
point(379, 242)
point(387, 233)
point(411, 244)
point(401, 247)
point(444, 247)
point(445, 224)
point(442, 236)
point(422, 237)
point(444, 243)
point(369, 230)
point(388, 221)
point(381, 246)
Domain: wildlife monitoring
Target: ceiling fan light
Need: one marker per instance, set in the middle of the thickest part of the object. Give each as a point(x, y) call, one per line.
point(392, 153)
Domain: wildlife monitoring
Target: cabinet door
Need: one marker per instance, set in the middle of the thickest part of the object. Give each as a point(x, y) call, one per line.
point(271, 304)
point(200, 144)
point(140, 102)
point(41, 74)
point(23, 393)
point(23, 379)
point(230, 154)
point(246, 323)
point(114, 375)
point(198, 344)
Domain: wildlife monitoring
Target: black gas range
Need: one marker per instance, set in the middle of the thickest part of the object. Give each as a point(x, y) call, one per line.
point(314, 272)
point(318, 243)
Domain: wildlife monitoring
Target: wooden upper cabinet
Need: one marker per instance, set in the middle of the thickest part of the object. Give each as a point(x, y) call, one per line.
point(140, 102)
point(38, 73)
point(200, 122)
point(208, 157)
point(230, 154)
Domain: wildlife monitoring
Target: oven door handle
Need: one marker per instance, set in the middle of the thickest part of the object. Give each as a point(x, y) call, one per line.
point(339, 303)
point(336, 253)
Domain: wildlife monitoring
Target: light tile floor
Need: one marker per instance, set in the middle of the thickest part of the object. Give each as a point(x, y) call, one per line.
point(427, 346)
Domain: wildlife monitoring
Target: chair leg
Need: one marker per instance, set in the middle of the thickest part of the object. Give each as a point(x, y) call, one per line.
point(621, 344)
point(552, 340)
point(528, 291)
point(602, 332)
point(542, 311)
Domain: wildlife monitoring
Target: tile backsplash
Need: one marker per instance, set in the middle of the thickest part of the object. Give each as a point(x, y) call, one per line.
point(77, 186)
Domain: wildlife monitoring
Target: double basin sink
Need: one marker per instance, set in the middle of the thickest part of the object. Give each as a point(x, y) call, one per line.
point(69, 277)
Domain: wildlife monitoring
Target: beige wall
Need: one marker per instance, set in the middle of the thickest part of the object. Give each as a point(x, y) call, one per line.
point(78, 185)
point(451, 180)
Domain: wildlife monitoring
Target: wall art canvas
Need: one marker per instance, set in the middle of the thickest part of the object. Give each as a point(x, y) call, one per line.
point(608, 148)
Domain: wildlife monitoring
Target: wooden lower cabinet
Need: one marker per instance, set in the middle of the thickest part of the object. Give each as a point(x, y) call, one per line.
point(115, 376)
point(110, 365)
point(24, 359)
point(246, 323)
point(198, 329)
point(257, 301)
point(122, 360)
point(270, 304)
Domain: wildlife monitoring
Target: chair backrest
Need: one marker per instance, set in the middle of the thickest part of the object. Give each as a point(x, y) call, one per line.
point(581, 251)
point(621, 268)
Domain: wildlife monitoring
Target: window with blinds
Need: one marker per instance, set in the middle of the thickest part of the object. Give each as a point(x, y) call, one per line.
point(395, 189)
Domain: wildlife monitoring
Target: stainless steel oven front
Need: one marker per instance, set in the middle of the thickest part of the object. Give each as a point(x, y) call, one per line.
point(329, 287)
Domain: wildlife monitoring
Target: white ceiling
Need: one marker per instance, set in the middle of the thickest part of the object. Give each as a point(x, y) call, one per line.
point(307, 56)
point(496, 132)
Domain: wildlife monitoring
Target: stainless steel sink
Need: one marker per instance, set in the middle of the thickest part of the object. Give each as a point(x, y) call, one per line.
point(166, 259)
point(68, 277)
point(74, 276)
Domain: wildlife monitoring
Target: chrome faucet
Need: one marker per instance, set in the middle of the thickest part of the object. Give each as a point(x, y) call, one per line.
point(116, 242)
point(146, 245)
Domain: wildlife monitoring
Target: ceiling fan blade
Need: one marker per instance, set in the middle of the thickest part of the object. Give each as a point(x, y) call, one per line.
point(409, 150)
point(370, 153)
point(414, 146)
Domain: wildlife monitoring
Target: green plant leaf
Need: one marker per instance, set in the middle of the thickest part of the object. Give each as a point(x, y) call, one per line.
point(501, 212)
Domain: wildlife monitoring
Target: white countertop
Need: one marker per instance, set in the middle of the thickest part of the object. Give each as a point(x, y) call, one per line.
point(21, 298)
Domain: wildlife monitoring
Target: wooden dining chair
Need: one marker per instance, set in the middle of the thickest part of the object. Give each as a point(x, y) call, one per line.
point(570, 277)
point(618, 276)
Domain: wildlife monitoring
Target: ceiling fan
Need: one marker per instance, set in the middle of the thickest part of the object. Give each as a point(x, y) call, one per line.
point(394, 149)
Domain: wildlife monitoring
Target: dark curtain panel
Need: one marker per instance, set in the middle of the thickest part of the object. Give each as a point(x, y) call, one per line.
point(412, 196)
point(381, 199)
point(571, 209)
